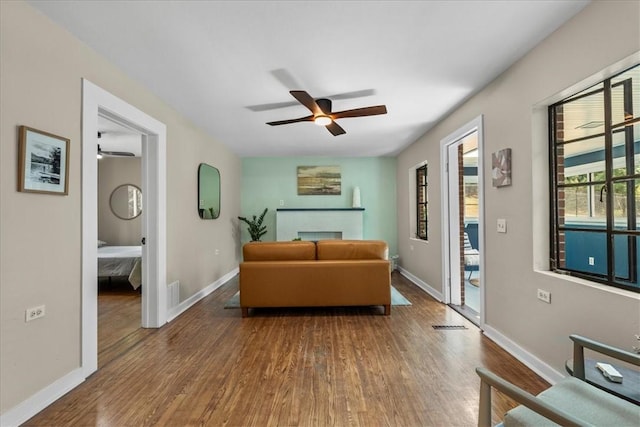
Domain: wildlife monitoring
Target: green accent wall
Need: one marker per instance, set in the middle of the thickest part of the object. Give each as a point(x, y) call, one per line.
point(267, 180)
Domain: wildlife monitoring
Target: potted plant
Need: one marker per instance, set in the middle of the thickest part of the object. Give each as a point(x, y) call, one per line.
point(255, 229)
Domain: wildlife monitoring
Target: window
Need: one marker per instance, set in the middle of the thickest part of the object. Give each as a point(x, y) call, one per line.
point(595, 182)
point(421, 202)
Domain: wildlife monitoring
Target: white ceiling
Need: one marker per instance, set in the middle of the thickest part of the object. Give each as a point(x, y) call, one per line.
point(211, 60)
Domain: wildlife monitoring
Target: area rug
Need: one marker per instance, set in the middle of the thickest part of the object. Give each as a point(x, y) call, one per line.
point(396, 299)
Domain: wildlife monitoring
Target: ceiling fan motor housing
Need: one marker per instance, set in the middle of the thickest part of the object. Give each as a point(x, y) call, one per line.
point(324, 104)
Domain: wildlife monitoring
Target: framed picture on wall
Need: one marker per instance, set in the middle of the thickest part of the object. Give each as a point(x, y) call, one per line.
point(319, 181)
point(44, 162)
point(501, 168)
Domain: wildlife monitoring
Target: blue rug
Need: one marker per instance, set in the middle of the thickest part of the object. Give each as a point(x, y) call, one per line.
point(396, 299)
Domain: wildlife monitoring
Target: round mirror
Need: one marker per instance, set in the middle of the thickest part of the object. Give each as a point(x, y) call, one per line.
point(126, 201)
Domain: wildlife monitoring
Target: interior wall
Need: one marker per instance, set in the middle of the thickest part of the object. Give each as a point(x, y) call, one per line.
point(112, 173)
point(41, 75)
point(266, 181)
point(599, 36)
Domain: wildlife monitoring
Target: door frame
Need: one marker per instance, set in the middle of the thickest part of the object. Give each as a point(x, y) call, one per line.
point(98, 102)
point(475, 125)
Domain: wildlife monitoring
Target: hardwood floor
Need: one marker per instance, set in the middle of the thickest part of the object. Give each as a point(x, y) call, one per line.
point(296, 367)
point(119, 318)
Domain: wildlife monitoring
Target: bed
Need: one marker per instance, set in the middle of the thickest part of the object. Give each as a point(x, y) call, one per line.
point(121, 261)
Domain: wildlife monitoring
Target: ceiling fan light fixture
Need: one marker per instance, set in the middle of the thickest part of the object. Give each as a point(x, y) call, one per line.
point(322, 120)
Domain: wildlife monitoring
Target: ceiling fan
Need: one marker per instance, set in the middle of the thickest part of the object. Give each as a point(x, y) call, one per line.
point(112, 153)
point(322, 114)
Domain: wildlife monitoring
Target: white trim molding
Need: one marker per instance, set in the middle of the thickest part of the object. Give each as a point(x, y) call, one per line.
point(532, 362)
point(176, 311)
point(98, 102)
point(421, 284)
point(43, 398)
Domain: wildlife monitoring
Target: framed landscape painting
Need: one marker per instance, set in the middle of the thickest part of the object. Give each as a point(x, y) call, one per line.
point(319, 181)
point(44, 162)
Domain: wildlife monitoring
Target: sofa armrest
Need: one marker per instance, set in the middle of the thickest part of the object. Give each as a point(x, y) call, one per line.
point(488, 379)
point(580, 343)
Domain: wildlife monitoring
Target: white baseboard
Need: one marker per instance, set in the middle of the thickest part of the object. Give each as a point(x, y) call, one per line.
point(186, 304)
point(422, 285)
point(532, 362)
point(43, 398)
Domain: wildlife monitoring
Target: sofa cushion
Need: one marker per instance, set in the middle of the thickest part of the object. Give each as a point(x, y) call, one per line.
point(279, 251)
point(352, 249)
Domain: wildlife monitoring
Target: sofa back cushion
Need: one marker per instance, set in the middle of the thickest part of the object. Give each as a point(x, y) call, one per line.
point(279, 251)
point(352, 249)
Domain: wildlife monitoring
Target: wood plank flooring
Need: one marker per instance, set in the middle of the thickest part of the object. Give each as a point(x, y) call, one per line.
point(296, 367)
point(119, 318)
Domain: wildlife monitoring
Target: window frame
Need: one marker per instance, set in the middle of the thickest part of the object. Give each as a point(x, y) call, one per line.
point(558, 224)
point(424, 204)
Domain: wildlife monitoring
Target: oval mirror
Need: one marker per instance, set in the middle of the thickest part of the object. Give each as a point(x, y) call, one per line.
point(126, 201)
point(208, 191)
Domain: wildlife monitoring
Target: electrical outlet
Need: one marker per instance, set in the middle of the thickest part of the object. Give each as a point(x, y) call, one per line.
point(281, 202)
point(592, 261)
point(544, 296)
point(502, 225)
point(217, 251)
point(34, 313)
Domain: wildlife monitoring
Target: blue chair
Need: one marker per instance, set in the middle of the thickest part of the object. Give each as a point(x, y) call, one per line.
point(471, 257)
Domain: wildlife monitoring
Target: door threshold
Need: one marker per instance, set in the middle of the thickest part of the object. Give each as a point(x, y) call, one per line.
point(470, 314)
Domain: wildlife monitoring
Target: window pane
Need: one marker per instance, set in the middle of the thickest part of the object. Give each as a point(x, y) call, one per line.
point(422, 230)
point(620, 150)
point(471, 200)
point(580, 158)
point(625, 96)
point(421, 177)
point(577, 201)
point(586, 251)
point(422, 194)
point(581, 117)
point(422, 213)
point(622, 251)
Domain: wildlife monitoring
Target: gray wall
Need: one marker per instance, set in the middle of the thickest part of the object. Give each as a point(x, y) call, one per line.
point(40, 250)
point(113, 172)
point(602, 34)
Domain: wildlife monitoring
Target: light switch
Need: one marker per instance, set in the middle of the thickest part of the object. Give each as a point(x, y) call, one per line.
point(502, 225)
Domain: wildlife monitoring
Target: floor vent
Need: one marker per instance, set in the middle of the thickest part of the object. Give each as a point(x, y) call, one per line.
point(448, 327)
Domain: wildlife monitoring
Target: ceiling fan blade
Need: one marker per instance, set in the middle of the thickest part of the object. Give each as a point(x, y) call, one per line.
point(286, 78)
point(286, 122)
point(307, 100)
point(272, 106)
point(360, 112)
point(335, 129)
point(118, 153)
point(354, 94)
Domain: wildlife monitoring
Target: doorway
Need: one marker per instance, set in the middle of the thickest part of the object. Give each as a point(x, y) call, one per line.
point(462, 225)
point(96, 103)
point(120, 259)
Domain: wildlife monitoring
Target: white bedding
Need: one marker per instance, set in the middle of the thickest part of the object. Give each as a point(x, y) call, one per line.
point(121, 261)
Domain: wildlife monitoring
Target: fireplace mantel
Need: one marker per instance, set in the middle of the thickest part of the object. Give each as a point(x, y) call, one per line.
point(337, 223)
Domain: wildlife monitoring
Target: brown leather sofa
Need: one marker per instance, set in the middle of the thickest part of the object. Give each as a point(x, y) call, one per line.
point(328, 273)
